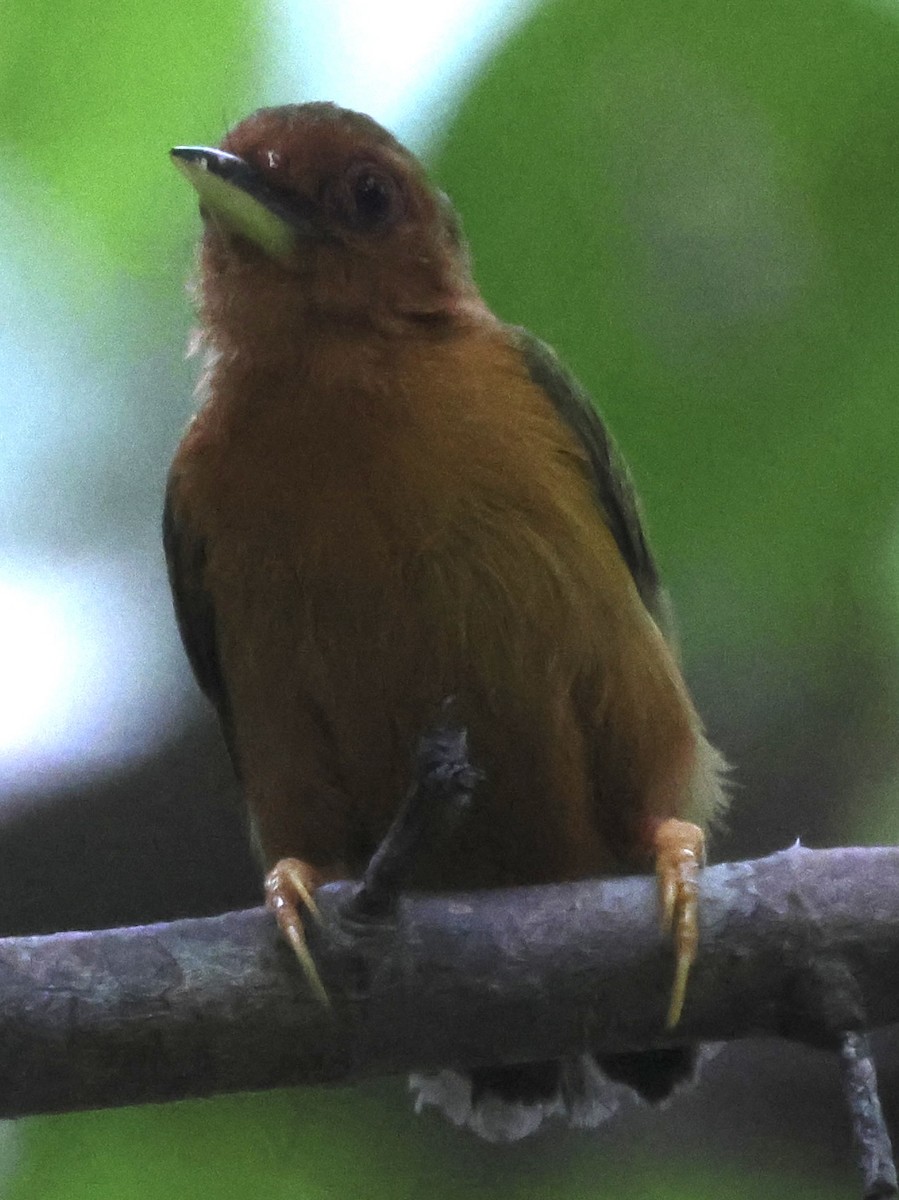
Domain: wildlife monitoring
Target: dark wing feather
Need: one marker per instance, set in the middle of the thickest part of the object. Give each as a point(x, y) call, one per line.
point(654, 1074)
point(611, 480)
point(185, 554)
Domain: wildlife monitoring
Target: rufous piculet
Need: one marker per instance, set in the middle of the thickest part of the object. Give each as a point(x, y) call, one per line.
point(388, 497)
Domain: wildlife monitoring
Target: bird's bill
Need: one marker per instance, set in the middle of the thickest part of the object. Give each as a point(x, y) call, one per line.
point(234, 195)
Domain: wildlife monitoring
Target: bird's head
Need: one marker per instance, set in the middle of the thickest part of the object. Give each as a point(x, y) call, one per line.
point(313, 212)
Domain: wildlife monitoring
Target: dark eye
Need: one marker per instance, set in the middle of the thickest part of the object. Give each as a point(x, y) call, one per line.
point(375, 200)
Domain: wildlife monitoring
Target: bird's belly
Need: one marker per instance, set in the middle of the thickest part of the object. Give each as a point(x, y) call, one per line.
point(343, 670)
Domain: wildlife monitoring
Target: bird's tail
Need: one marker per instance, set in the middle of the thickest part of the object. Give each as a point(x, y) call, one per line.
point(504, 1104)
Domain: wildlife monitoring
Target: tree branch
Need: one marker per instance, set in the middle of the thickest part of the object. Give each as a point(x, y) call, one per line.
point(803, 943)
point(872, 1140)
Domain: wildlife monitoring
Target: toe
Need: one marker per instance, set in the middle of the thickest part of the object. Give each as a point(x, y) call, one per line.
point(679, 851)
point(290, 888)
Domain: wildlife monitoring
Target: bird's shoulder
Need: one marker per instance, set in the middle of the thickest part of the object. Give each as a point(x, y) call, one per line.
point(608, 473)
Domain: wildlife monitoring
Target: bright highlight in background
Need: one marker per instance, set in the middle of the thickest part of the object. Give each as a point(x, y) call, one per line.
point(85, 679)
point(401, 61)
point(39, 660)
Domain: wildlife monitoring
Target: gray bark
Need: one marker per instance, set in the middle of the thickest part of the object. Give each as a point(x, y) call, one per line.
point(803, 944)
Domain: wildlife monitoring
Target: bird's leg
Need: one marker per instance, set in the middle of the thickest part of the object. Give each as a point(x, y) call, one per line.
point(290, 885)
point(679, 849)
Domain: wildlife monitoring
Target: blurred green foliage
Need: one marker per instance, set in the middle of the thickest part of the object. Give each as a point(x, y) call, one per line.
point(92, 96)
point(696, 203)
point(321, 1146)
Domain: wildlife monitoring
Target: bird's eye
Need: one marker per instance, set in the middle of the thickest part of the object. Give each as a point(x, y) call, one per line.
point(374, 199)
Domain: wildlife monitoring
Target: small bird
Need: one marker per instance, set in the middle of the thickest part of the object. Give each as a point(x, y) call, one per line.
point(389, 497)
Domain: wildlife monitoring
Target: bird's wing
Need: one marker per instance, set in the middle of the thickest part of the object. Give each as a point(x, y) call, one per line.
point(185, 554)
point(609, 475)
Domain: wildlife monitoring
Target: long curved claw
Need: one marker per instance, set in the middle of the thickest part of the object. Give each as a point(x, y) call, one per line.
point(290, 885)
point(679, 856)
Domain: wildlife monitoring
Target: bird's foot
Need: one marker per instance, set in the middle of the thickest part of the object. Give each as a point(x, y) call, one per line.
point(289, 886)
point(679, 848)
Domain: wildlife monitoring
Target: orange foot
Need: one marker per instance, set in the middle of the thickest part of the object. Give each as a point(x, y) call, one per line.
point(289, 885)
point(679, 853)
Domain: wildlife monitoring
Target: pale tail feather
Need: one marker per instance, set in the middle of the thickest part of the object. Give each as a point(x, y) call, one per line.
point(584, 1099)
